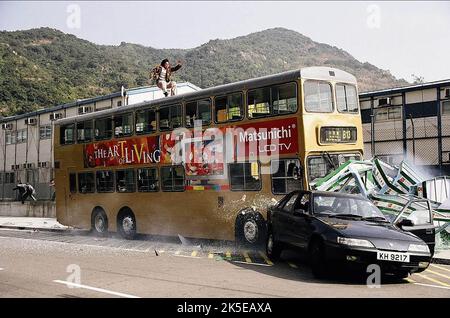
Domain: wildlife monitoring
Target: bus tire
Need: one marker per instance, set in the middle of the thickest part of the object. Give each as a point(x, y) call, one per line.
point(99, 222)
point(250, 230)
point(126, 224)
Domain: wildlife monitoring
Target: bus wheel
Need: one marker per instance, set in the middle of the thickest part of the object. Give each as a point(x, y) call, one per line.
point(126, 224)
point(99, 222)
point(250, 229)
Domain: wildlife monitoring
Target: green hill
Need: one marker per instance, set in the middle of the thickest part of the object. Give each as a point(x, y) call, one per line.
point(45, 67)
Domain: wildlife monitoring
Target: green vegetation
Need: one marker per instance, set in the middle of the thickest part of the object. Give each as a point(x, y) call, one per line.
point(45, 67)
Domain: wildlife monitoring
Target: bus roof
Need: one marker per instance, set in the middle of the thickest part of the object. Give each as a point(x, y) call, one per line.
point(315, 73)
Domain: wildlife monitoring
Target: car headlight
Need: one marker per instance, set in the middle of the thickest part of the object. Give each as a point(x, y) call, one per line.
point(354, 242)
point(422, 248)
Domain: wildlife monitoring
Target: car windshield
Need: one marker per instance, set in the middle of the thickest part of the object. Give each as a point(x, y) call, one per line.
point(346, 206)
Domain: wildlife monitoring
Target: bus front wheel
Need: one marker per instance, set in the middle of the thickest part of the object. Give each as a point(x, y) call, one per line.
point(250, 229)
point(126, 224)
point(99, 222)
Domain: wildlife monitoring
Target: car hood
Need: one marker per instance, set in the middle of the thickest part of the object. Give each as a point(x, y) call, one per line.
point(382, 235)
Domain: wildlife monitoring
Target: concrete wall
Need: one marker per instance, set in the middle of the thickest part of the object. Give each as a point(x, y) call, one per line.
point(33, 209)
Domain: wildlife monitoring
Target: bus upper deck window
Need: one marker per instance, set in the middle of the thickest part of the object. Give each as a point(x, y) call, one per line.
point(284, 98)
point(346, 98)
point(229, 107)
point(67, 134)
point(123, 125)
point(198, 110)
point(170, 117)
point(84, 131)
point(259, 102)
point(318, 97)
point(103, 128)
point(145, 121)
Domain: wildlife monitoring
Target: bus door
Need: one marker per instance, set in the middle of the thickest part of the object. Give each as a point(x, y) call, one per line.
point(70, 190)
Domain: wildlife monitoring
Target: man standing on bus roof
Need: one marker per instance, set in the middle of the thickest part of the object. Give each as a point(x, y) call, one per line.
point(163, 76)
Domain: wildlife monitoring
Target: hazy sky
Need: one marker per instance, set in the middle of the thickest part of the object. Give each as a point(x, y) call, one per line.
point(404, 37)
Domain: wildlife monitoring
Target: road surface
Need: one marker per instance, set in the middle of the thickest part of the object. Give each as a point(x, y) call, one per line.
point(44, 264)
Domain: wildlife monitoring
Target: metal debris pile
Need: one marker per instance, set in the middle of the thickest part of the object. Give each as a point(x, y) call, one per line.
point(394, 189)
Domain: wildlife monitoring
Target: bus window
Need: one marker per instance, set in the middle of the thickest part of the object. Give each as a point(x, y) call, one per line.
point(229, 107)
point(86, 182)
point(123, 125)
point(67, 134)
point(148, 180)
point(72, 182)
point(284, 99)
point(318, 97)
point(172, 178)
point(84, 131)
point(258, 101)
point(103, 128)
point(346, 98)
point(198, 110)
point(105, 181)
point(170, 117)
point(286, 176)
point(145, 121)
point(125, 181)
point(245, 176)
point(320, 166)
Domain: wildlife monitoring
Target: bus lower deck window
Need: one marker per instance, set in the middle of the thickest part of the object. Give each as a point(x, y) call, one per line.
point(86, 183)
point(148, 180)
point(105, 181)
point(125, 181)
point(286, 175)
point(245, 176)
point(172, 178)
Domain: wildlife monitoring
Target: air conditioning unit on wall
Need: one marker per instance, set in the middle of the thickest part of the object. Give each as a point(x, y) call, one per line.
point(84, 110)
point(30, 121)
point(56, 116)
point(384, 101)
point(7, 126)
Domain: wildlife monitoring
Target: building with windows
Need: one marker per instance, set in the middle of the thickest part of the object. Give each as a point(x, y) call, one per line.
point(411, 123)
point(26, 141)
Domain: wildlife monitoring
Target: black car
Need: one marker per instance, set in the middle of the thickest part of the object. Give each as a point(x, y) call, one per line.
point(345, 229)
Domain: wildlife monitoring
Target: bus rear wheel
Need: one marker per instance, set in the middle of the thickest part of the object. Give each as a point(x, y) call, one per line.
point(250, 230)
point(99, 222)
point(126, 224)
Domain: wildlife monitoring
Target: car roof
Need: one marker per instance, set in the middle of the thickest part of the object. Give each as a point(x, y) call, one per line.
point(334, 194)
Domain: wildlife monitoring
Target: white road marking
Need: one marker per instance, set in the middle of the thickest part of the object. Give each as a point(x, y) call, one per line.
point(186, 256)
point(247, 263)
point(100, 290)
point(435, 286)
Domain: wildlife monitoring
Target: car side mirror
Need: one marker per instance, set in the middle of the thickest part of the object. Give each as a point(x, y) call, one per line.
point(405, 222)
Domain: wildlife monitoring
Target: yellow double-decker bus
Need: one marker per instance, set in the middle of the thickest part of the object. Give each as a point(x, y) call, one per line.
point(205, 164)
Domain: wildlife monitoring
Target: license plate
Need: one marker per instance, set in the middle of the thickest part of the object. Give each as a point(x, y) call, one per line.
point(393, 257)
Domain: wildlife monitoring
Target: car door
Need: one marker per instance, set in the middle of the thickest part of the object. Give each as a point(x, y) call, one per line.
point(300, 225)
point(282, 217)
point(422, 219)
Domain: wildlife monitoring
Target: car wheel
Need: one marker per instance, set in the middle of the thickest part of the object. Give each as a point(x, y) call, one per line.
point(99, 222)
point(273, 248)
point(126, 224)
point(250, 230)
point(317, 259)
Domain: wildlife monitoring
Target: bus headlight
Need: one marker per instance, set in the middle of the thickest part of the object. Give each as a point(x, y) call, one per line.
point(354, 242)
point(421, 248)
